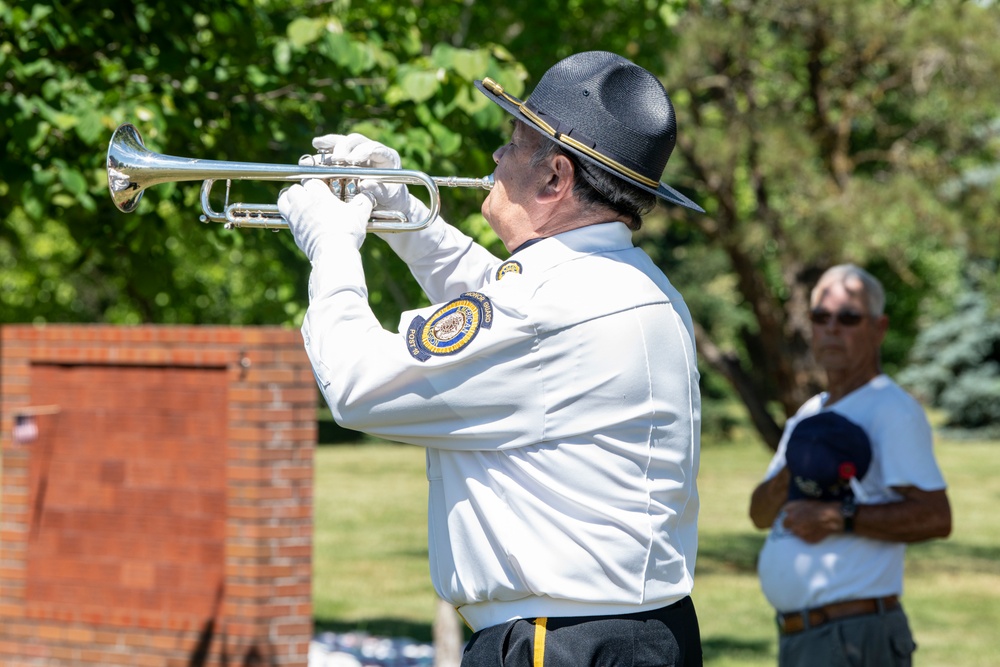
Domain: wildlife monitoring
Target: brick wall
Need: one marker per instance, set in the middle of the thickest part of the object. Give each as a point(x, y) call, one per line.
point(163, 513)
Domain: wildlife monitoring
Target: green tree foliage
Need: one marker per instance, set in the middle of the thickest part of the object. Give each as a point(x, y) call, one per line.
point(817, 133)
point(955, 363)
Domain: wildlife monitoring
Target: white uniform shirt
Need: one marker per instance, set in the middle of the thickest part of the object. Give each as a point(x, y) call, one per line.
point(557, 396)
point(795, 575)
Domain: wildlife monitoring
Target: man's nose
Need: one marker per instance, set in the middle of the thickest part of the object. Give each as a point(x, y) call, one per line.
point(498, 153)
point(832, 328)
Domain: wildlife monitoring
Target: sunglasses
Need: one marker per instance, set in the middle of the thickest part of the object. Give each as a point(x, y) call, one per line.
point(845, 318)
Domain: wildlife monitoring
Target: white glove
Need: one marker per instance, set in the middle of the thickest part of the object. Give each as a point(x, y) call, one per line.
point(358, 150)
point(316, 217)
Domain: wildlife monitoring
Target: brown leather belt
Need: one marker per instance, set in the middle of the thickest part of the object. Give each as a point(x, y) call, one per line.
point(802, 620)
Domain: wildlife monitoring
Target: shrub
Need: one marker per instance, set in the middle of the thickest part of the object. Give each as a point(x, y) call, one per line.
point(955, 365)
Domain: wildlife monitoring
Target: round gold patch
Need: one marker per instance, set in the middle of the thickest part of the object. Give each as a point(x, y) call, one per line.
point(452, 326)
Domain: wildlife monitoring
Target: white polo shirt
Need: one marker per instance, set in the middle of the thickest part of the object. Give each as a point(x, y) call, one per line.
point(795, 575)
point(557, 396)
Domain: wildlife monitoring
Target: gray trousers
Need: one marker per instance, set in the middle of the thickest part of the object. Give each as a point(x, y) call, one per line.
point(875, 640)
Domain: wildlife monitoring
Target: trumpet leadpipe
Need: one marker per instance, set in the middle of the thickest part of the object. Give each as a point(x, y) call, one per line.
point(484, 183)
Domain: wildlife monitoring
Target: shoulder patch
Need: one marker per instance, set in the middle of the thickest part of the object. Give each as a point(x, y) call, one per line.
point(451, 328)
point(510, 266)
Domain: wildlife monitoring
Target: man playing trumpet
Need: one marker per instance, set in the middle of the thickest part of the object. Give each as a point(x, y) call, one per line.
point(556, 392)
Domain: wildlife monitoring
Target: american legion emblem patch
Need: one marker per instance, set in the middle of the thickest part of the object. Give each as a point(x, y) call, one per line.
point(451, 328)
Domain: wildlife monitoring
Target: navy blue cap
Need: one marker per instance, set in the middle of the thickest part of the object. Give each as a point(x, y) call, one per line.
point(824, 452)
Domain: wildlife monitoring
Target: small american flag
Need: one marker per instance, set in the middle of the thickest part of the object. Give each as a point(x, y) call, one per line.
point(25, 429)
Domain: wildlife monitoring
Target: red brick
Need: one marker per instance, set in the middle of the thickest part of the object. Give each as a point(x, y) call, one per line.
point(182, 462)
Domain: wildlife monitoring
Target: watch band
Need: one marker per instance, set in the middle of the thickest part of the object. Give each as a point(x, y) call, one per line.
point(848, 510)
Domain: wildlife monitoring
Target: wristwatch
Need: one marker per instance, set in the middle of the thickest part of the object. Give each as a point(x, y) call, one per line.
point(847, 510)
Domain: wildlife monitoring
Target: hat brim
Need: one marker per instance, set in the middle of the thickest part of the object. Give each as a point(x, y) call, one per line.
point(663, 190)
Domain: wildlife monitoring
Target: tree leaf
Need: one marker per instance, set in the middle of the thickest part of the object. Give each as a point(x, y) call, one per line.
point(416, 85)
point(303, 31)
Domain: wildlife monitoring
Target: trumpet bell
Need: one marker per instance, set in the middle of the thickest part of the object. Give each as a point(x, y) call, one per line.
point(125, 153)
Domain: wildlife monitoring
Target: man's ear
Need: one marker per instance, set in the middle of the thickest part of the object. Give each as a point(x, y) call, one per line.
point(882, 324)
point(559, 179)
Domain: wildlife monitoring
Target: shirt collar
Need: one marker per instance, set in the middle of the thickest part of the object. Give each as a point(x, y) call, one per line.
point(540, 254)
point(527, 244)
point(601, 237)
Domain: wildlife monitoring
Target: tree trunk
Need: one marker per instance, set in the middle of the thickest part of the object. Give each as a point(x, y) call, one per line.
point(755, 402)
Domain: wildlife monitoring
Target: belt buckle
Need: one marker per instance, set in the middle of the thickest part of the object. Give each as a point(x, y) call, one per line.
point(784, 620)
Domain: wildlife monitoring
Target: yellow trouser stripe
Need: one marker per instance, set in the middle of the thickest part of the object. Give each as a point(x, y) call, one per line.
point(540, 641)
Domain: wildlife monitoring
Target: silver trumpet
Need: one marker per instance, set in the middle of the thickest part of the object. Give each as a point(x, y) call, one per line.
point(132, 168)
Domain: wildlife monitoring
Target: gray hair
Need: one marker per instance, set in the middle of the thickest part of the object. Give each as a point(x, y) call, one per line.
point(844, 274)
point(596, 186)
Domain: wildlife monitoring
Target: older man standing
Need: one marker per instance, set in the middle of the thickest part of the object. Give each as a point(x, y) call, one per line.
point(832, 565)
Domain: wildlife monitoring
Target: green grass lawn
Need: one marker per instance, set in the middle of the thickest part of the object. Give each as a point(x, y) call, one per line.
point(370, 561)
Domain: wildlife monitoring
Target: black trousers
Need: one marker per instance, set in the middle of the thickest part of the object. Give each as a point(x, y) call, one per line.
point(667, 637)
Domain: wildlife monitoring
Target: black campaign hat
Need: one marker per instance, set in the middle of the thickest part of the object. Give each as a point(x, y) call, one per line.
point(823, 453)
point(606, 110)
